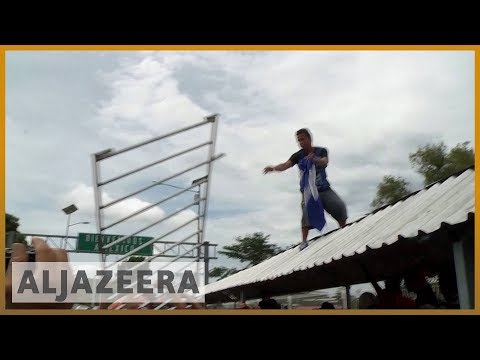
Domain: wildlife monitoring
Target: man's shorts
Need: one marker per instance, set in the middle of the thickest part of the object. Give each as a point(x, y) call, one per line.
point(332, 203)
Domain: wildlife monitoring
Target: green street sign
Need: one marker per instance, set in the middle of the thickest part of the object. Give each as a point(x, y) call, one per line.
point(89, 243)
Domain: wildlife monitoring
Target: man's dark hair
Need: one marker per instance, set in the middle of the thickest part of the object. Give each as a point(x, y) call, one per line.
point(304, 132)
point(327, 305)
point(269, 303)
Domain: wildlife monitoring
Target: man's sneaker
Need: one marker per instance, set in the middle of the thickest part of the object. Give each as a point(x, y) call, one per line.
point(303, 245)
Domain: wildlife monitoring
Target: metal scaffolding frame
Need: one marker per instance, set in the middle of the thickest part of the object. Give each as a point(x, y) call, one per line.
point(183, 248)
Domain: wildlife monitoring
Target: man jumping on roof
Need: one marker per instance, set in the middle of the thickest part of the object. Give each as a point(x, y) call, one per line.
point(312, 161)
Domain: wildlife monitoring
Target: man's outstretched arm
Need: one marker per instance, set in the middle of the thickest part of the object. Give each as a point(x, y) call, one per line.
point(280, 167)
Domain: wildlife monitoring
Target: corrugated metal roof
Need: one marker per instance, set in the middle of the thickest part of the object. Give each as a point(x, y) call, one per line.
point(450, 201)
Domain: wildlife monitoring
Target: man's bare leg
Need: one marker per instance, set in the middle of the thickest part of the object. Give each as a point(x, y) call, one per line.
point(304, 243)
point(305, 230)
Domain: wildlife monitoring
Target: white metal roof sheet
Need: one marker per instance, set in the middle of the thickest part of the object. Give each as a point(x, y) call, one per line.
point(449, 202)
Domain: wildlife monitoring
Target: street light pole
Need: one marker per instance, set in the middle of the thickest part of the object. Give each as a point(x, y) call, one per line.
point(68, 210)
point(81, 222)
point(68, 227)
point(64, 242)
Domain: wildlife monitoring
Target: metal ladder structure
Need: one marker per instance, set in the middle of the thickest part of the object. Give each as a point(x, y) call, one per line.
point(197, 250)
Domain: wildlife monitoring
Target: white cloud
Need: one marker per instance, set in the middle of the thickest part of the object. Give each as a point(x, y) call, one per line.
point(82, 196)
point(145, 96)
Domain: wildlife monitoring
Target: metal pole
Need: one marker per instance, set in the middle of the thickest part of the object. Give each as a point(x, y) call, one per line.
point(98, 200)
point(113, 202)
point(153, 241)
point(199, 210)
point(206, 244)
point(179, 257)
point(64, 241)
point(109, 245)
point(349, 298)
point(148, 207)
point(110, 152)
point(213, 135)
point(162, 253)
point(178, 187)
point(152, 164)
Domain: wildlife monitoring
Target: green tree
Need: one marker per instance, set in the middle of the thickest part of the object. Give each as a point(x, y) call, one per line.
point(434, 162)
point(251, 248)
point(11, 225)
point(222, 272)
point(390, 190)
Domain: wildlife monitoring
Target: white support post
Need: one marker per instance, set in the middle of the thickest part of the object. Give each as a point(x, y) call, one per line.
point(464, 268)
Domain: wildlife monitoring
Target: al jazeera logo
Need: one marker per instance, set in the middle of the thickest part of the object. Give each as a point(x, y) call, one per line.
point(84, 282)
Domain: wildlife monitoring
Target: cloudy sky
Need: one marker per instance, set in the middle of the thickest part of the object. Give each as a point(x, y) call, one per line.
point(369, 109)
